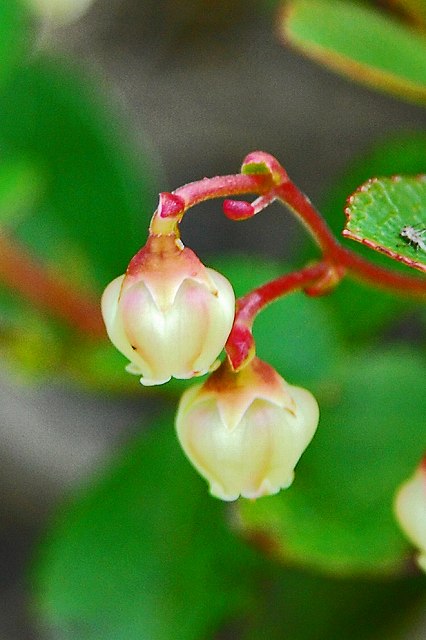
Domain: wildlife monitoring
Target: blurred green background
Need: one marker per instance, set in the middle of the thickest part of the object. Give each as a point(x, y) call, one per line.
point(107, 533)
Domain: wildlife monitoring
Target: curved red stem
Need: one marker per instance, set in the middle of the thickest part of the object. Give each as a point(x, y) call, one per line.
point(240, 344)
point(48, 291)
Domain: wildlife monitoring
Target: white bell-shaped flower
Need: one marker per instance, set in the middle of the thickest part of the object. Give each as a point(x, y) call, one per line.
point(410, 510)
point(245, 432)
point(169, 314)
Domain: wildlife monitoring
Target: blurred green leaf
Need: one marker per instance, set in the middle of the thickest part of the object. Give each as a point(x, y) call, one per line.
point(300, 605)
point(361, 309)
point(37, 347)
point(21, 186)
point(14, 36)
point(142, 554)
point(338, 516)
point(28, 340)
point(101, 368)
point(360, 42)
point(383, 211)
point(98, 197)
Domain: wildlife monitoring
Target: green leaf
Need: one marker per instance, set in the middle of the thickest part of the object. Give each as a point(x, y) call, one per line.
point(337, 516)
point(37, 347)
point(361, 309)
point(21, 186)
point(300, 605)
point(389, 215)
point(98, 197)
point(27, 339)
point(360, 42)
point(143, 554)
point(403, 153)
point(14, 36)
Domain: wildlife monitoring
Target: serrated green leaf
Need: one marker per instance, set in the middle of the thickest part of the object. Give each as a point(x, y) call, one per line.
point(360, 42)
point(338, 514)
point(389, 215)
point(404, 153)
point(144, 554)
point(363, 310)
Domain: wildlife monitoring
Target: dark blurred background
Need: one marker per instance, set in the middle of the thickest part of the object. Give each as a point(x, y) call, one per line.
point(199, 84)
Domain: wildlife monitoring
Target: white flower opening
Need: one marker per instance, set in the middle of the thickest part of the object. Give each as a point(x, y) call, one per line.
point(245, 432)
point(169, 315)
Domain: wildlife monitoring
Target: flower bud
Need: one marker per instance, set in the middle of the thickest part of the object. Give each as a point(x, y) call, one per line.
point(410, 510)
point(245, 431)
point(169, 314)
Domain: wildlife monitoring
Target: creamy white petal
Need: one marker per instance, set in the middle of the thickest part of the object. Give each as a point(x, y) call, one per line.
point(255, 457)
point(182, 340)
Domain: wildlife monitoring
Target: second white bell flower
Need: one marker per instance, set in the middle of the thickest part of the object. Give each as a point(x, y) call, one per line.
point(245, 432)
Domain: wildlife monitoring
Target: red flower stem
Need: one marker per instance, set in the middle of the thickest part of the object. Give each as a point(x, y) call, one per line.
point(48, 291)
point(380, 277)
point(222, 187)
point(249, 305)
point(335, 253)
point(240, 346)
point(302, 207)
point(174, 205)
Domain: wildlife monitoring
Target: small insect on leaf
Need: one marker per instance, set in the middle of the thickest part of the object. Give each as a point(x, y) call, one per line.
point(387, 213)
point(414, 237)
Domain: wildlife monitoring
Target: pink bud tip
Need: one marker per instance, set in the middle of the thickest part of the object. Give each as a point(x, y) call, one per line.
point(171, 206)
point(238, 209)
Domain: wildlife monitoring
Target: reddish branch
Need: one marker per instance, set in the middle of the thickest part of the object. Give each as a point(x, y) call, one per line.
point(270, 181)
point(360, 268)
point(240, 345)
point(47, 291)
